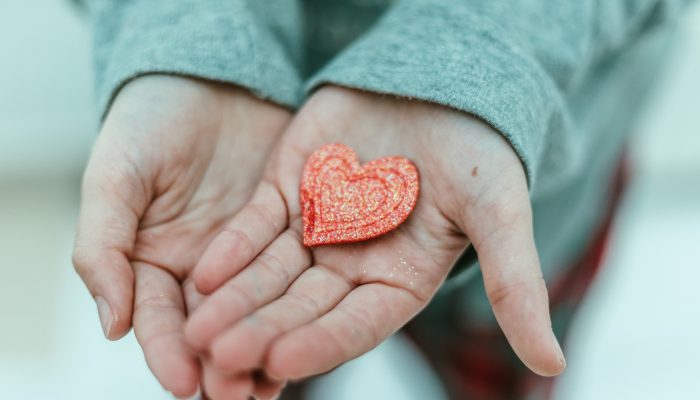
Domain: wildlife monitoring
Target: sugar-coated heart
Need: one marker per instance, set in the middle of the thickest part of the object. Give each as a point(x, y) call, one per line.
point(344, 202)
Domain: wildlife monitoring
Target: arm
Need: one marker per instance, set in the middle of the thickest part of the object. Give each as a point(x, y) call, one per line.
point(487, 60)
point(245, 43)
point(513, 64)
point(176, 157)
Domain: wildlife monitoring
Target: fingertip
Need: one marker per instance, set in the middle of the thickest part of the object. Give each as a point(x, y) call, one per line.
point(215, 266)
point(115, 315)
point(187, 392)
point(549, 368)
point(220, 360)
point(118, 332)
point(197, 331)
point(537, 347)
point(186, 389)
point(267, 388)
point(185, 383)
point(557, 369)
point(518, 295)
point(287, 359)
point(193, 298)
point(203, 281)
point(177, 371)
point(109, 278)
point(206, 277)
point(228, 355)
point(197, 395)
point(554, 362)
point(557, 364)
point(220, 385)
point(544, 357)
point(212, 319)
point(561, 365)
point(202, 329)
point(524, 317)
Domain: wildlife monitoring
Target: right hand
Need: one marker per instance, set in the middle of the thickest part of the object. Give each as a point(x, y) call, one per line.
point(175, 159)
point(296, 311)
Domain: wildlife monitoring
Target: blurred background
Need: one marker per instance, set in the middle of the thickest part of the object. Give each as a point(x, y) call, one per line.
point(637, 336)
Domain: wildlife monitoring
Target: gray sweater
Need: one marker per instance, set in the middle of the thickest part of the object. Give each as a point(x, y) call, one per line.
point(559, 79)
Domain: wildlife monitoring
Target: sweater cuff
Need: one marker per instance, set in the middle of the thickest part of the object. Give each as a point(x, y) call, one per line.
point(446, 54)
point(214, 40)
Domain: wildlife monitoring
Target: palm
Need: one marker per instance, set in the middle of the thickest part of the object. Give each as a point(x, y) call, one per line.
point(175, 160)
point(315, 309)
point(206, 173)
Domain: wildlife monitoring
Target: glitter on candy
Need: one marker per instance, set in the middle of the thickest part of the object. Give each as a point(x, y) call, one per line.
point(344, 202)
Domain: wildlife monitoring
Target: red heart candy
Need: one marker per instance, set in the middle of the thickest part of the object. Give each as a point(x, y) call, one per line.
point(344, 202)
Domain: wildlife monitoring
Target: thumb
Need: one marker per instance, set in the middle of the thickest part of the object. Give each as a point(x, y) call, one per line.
point(503, 237)
point(111, 204)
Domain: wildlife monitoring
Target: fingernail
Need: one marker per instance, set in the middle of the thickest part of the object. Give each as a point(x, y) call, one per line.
point(560, 356)
point(196, 396)
point(105, 313)
point(273, 377)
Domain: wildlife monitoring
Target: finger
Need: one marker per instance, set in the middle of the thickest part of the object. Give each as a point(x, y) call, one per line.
point(243, 346)
point(287, 163)
point(248, 233)
point(367, 316)
point(193, 299)
point(109, 278)
point(105, 236)
point(266, 387)
point(515, 287)
point(159, 317)
point(221, 386)
point(265, 279)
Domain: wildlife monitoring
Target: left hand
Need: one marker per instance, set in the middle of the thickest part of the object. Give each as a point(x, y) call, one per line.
point(176, 158)
point(298, 312)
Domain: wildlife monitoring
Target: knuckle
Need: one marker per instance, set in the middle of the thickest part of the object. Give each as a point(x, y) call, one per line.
point(295, 235)
point(242, 239)
point(503, 217)
point(106, 177)
point(241, 295)
point(78, 260)
point(362, 322)
point(99, 268)
point(263, 214)
point(504, 202)
point(82, 261)
point(339, 347)
point(159, 302)
point(149, 341)
point(306, 302)
point(506, 212)
point(503, 295)
point(275, 266)
point(274, 326)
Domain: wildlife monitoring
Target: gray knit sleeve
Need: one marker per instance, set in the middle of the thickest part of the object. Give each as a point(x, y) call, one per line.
point(512, 63)
point(254, 44)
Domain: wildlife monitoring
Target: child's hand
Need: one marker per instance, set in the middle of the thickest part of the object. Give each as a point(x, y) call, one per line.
point(299, 312)
point(175, 160)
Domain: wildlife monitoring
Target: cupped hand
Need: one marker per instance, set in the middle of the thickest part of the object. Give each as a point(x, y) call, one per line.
point(176, 158)
point(298, 312)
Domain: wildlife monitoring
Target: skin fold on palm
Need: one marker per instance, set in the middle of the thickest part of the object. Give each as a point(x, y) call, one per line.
point(175, 160)
point(296, 312)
